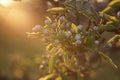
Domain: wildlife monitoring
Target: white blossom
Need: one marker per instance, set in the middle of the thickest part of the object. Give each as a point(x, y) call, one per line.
point(95, 27)
point(68, 24)
point(78, 42)
point(47, 22)
point(62, 18)
point(56, 41)
point(77, 37)
point(97, 42)
point(54, 25)
point(80, 27)
point(67, 34)
point(37, 27)
point(72, 30)
point(45, 31)
point(109, 44)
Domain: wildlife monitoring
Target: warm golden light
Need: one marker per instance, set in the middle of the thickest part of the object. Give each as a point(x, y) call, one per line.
point(5, 2)
point(101, 1)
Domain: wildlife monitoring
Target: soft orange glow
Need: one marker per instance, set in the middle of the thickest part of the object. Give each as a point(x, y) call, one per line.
point(5, 2)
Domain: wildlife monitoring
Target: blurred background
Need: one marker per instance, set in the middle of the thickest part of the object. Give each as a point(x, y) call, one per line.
point(20, 55)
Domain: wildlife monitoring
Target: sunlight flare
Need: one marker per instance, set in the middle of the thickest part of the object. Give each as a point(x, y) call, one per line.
point(5, 2)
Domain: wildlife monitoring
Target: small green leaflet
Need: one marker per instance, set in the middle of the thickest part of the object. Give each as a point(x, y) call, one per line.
point(67, 61)
point(74, 27)
point(49, 46)
point(54, 54)
point(114, 39)
point(108, 59)
point(56, 10)
point(52, 63)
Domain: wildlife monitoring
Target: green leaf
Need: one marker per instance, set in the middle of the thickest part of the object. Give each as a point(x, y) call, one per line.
point(90, 40)
point(47, 77)
point(52, 63)
point(56, 10)
point(54, 52)
point(48, 18)
point(107, 59)
point(49, 46)
point(114, 39)
point(113, 5)
point(108, 17)
point(67, 61)
point(74, 27)
point(109, 26)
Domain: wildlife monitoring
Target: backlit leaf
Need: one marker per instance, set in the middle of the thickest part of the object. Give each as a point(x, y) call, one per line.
point(56, 10)
point(107, 59)
point(74, 27)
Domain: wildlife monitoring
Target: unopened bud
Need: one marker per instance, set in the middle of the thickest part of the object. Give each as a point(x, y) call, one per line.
point(118, 14)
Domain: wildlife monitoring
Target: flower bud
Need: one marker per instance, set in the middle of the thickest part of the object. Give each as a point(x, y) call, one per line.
point(54, 25)
point(68, 34)
point(45, 31)
point(97, 42)
point(62, 18)
point(72, 30)
point(37, 28)
point(47, 22)
point(109, 44)
point(95, 28)
point(77, 37)
point(80, 27)
point(118, 14)
point(68, 24)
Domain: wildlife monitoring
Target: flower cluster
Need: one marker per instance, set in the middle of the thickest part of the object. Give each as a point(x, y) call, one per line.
point(73, 46)
point(68, 40)
point(61, 32)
